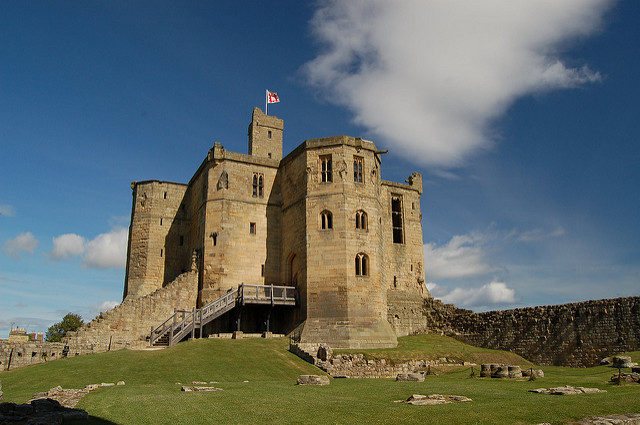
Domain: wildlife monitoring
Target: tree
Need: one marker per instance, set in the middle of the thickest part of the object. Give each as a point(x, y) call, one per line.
point(70, 322)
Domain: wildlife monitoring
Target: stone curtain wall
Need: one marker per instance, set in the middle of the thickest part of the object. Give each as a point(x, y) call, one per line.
point(577, 334)
point(27, 353)
point(129, 324)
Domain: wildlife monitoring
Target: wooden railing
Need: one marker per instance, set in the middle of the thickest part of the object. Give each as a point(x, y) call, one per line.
point(183, 322)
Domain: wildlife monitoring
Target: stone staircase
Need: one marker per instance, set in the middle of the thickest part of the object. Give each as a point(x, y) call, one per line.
point(128, 324)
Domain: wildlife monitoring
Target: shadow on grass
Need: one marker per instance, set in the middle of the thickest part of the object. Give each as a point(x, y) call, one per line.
point(91, 420)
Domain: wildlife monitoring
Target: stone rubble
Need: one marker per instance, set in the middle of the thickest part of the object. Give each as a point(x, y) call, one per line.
point(626, 377)
point(567, 390)
point(508, 371)
point(410, 377)
point(189, 388)
point(628, 419)
point(622, 362)
point(433, 399)
point(313, 380)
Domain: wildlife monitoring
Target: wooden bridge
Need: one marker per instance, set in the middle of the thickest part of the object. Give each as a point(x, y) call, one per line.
point(184, 322)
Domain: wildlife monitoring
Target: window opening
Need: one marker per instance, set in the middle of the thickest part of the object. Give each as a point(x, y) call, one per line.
point(161, 252)
point(326, 219)
point(269, 134)
point(165, 195)
point(269, 154)
point(160, 222)
point(362, 264)
point(358, 162)
point(262, 273)
point(252, 228)
point(395, 281)
point(361, 220)
point(260, 186)
point(396, 219)
point(326, 170)
point(255, 185)
point(214, 236)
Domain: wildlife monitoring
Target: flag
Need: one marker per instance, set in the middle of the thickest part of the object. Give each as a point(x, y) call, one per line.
point(272, 97)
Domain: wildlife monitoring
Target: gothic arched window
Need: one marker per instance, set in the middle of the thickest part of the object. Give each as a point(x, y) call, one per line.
point(326, 220)
point(361, 220)
point(362, 264)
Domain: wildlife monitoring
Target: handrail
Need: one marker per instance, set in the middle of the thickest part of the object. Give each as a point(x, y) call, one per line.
point(183, 321)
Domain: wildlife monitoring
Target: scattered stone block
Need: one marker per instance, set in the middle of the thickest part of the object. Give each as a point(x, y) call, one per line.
point(628, 419)
point(192, 388)
point(501, 372)
point(485, 370)
point(434, 399)
point(567, 390)
point(313, 380)
point(120, 383)
point(410, 377)
point(626, 377)
point(622, 362)
point(107, 384)
point(515, 372)
point(199, 383)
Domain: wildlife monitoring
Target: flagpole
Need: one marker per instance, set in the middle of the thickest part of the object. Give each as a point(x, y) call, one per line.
point(266, 101)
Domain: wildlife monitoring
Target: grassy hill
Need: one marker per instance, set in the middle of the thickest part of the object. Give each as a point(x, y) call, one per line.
point(151, 395)
point(434, 347)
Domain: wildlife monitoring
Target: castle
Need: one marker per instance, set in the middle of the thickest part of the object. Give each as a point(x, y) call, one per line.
point(320, 219)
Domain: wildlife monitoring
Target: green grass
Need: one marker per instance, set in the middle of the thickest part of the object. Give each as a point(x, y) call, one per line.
point(433, 347)
point(151, 395)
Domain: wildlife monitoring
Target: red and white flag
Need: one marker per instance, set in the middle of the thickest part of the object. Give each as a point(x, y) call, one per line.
point(272, 97)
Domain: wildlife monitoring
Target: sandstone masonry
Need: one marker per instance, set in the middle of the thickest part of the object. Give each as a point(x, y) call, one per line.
point(320, 219)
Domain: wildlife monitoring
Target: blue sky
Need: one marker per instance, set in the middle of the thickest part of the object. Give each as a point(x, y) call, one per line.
point(522, 117)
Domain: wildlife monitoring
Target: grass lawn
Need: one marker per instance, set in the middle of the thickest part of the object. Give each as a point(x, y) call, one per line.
point(434, 347)
point(151, 395)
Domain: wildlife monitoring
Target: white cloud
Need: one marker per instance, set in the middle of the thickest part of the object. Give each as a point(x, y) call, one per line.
point(67, 245)
point(431, 76)
point(107, 305)
point(491, 294)
point(107, 250)
point(536, 235)
point(462, 256)
point(7, 210)
point(25, 242)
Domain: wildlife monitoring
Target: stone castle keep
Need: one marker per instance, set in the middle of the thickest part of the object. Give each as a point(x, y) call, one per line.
point(320, 219)
point(341, 247)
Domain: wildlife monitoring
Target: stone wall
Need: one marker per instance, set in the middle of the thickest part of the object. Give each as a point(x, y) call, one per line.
point(129, 324)
point(576, 334)
point(20, 354)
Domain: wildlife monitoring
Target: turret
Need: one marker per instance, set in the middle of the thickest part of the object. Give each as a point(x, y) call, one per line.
point(265, 135)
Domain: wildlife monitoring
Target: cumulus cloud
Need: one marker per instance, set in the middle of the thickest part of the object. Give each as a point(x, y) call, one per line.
point(490, 294)
point(67, 245)
point(430, 77)
point(463, 256)
point(107, 250)
point(7, 210)
point(24, 242)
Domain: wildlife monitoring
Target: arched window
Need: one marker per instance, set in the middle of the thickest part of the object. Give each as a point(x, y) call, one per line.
point(326, 220)
point(260, 186)
point(362, 264)
point(361, 220)
point(255, 185)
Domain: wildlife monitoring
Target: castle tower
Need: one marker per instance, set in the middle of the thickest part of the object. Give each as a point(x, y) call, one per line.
point(265, 135)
